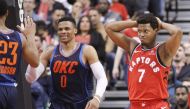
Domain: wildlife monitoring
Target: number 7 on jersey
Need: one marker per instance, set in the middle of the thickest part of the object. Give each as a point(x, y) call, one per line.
point(142, 71)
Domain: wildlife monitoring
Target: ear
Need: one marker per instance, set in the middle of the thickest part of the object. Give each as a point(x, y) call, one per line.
point(75, 31)
point(156, 30)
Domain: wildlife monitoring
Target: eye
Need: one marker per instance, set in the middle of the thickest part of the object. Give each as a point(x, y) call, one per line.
point(60, 29)
point(146, 31)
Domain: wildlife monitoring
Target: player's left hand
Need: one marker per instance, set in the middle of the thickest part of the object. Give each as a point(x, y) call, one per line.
point(92, 104)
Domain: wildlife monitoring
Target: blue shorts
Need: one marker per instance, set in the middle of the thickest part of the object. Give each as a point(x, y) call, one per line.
point(78, 105)
point(8, 96)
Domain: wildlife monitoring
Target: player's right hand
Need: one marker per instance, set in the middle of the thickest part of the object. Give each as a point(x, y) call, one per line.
point(29, 28)
point(115, 73)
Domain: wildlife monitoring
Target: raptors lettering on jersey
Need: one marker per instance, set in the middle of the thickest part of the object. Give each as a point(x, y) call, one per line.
point(145, 60)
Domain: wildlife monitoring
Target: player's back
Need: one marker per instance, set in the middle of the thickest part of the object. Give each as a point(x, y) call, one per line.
point(147, 76)
point(10, 55)
point(72, 80)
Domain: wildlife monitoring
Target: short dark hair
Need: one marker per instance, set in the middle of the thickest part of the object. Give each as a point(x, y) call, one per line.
point(181, 86)
point(148, 18)
point(67, 18)
point(59, 7)
point(94, 9)
point(3, 7)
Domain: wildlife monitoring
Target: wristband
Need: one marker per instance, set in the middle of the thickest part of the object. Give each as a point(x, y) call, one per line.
point(97, 99)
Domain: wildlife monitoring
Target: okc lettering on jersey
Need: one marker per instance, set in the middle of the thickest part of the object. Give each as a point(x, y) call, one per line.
point(144, 60)
point(65, 67)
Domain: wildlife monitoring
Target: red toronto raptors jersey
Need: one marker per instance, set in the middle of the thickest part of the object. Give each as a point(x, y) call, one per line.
point(147, 77)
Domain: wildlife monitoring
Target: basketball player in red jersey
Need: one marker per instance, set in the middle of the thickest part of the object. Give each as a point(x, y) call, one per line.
point(149, 62)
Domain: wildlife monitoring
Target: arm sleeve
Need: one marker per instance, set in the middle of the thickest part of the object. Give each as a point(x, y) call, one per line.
point(32, 74)
point(100, 76)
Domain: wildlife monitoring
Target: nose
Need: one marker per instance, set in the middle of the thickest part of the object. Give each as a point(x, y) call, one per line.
point(141, 34)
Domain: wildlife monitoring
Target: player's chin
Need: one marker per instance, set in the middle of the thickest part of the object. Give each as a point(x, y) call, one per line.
point(64, 41)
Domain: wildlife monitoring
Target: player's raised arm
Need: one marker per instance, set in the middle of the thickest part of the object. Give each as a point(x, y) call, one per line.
point(169, 48)
point(33, 73)
point(99, 73)
point(30, 51)
point(114, 29)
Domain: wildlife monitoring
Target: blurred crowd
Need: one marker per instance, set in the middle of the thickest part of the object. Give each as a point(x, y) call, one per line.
point(91, 15)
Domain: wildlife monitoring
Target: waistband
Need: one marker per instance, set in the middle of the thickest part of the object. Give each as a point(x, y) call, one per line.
point(8, 84)
point(147, 102)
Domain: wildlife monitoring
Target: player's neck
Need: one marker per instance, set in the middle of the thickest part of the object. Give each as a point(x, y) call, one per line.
point(2, 24)
point(69, 46)
point(149, 46)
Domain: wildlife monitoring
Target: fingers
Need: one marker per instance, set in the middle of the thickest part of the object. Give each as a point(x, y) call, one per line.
point(19, 27)
point(115, 73)
point(87, 105)
point(28, 21)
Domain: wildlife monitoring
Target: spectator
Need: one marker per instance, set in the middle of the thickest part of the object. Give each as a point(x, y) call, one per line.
point(120, 9)
point(46, 7)
point(77, 11)
point(57, 13)
point(29, 6)
point(42, 31)
point(181, 93)
point(86, 34)
point(98, 25)
point(136, 5)
point(179, 64)
point(107, 14)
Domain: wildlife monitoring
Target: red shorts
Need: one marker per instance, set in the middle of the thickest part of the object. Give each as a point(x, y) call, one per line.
point(153, 104)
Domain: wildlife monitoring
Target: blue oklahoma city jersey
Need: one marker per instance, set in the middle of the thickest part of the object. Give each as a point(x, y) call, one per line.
point(72, 80)
point(10, 55)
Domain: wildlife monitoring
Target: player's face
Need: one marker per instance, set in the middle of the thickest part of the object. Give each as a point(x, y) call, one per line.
point(146, 34)
point(181, 96)
point(85, 24)
point(66, 31)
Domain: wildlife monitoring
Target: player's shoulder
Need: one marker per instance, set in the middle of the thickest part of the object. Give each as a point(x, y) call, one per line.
point(88, 48)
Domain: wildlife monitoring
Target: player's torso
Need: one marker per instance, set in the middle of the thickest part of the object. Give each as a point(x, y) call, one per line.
point(72, 80)
point(147, 78)
point(10, 55)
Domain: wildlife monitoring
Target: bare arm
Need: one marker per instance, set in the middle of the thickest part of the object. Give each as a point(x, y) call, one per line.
point(118, 56)
point(114, 32)
point(30, 51)
point(169, 48)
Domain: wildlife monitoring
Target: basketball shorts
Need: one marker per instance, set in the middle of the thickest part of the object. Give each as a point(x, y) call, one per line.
point(153, 104)
point(78, 105)
point(8, 95)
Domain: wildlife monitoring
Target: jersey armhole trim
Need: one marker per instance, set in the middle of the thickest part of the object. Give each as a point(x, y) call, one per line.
point(51, 59)
point(158, 58)
point(131, 54)
point(81, 55)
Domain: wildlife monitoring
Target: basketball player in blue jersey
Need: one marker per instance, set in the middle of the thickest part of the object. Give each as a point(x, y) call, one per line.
point(12, 46)
point(72, 68)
